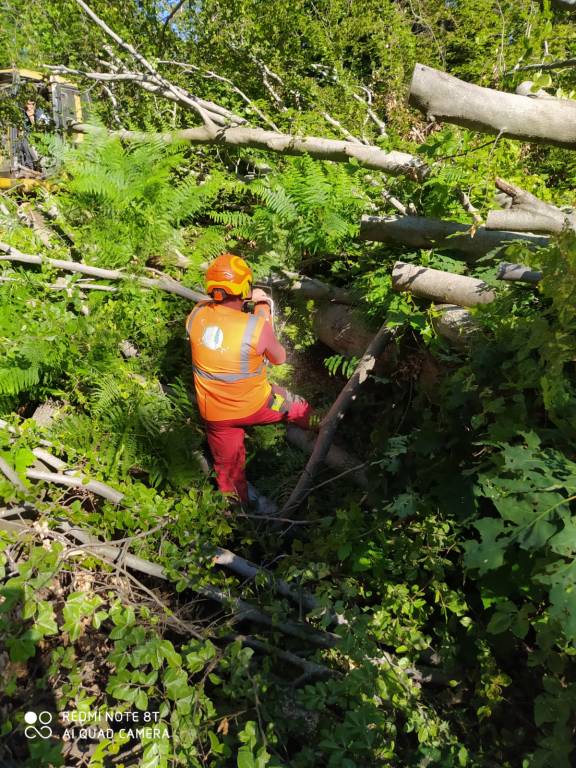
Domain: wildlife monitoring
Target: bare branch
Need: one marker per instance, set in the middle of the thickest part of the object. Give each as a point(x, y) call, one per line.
point(542, 66)
point(344, 131)
point(163, 283)
point(190, 100)
point(207, 73)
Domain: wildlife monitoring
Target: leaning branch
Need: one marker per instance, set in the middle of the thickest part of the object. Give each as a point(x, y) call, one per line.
point(542, 66)
point(444, 97)
point(334, 416)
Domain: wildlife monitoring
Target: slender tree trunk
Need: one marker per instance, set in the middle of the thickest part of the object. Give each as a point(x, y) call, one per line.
point(336, 413)
point(446, 98)
point(393, 163)
point(421, 232)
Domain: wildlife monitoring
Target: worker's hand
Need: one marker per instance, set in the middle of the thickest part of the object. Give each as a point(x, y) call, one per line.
point(259, 295)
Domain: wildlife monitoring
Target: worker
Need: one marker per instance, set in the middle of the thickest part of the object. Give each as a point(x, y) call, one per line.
point(231, 346)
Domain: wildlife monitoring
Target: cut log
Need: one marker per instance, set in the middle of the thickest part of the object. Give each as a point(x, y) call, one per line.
point(443, 287)
point(455, 324)
point(393, 163)
point(422, 232)
point(446, 98)
point(518, 273)
point(524, 211)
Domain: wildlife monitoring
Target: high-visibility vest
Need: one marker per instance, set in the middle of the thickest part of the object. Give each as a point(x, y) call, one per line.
point(229, 375)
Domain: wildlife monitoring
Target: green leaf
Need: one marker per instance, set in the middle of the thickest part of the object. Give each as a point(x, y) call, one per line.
point(141, 700)
point(176, 683)
point(500, 622)
point(245, 758)
point(45, 621)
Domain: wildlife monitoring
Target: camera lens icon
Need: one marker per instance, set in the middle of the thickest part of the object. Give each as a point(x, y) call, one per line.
point(43, 719)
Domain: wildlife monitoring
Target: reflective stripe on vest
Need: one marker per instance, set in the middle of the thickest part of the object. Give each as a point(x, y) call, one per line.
point(227, 376)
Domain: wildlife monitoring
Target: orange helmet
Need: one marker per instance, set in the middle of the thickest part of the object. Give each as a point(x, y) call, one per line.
point(229, 275)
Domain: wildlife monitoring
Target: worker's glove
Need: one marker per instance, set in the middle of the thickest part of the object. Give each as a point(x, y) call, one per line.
point(263, 304)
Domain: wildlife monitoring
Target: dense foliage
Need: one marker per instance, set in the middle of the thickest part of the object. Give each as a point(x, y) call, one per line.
point(444, 632)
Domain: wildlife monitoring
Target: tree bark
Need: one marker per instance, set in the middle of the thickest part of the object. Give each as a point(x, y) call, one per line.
point(342, 328)
point(311, 288)
point(455, 324)
point(524, 211)
point(393, 163)
point(439, 286)
point(337, 458)
point(444, 97)
point(518, 273)
point(421, 232)
point(334, 416)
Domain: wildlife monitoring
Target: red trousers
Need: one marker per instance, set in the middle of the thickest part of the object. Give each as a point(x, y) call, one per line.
point(226, 438)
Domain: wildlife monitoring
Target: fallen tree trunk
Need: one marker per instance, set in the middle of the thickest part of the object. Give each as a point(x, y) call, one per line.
point(337, 458)
point(310, 288)
point(444, 287)
point(342, 328)
point(444, 97)
point(393, 163)
point(333, 417)
point(524, 211)
point(422, 232)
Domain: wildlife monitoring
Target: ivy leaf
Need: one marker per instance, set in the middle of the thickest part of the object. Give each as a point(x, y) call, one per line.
point(45, 622)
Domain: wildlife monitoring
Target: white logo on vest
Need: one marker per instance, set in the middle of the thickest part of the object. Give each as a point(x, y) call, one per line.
point(213, 337)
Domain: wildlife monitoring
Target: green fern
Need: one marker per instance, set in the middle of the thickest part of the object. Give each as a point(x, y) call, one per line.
point(126, 202)
point(338, 363)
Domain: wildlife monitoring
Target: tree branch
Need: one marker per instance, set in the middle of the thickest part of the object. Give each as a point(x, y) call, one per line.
point(393, 163)
point(164, 283)
point(542, 66)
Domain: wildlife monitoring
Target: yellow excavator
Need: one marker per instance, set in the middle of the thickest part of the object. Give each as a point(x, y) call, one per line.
point(32, 101)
